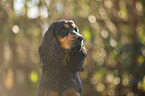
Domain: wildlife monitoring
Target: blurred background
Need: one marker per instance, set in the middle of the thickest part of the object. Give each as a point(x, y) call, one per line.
point(113, 33)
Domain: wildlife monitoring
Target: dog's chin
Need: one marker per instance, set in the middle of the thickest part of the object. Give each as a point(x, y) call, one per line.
point(73, 49)
point(76, 48)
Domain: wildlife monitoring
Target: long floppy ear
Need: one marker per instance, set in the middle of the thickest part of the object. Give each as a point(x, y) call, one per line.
point(49, 51)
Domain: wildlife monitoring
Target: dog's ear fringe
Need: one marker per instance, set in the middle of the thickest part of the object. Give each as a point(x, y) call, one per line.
point(49, 51)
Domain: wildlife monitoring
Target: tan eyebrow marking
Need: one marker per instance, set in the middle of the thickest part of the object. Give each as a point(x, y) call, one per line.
point(73, 25)
point(66, 26)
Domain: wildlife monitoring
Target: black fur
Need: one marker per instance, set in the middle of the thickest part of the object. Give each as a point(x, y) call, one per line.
point(57, 75)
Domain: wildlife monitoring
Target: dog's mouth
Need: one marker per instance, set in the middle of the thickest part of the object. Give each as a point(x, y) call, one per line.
point(77, 46)
point(74, 46)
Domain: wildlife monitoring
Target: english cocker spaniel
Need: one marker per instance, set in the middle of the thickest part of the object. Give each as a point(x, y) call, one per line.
point(62, 54)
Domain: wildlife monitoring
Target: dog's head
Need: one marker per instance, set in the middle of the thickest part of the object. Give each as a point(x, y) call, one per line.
point(67, 34)
point(61, 38)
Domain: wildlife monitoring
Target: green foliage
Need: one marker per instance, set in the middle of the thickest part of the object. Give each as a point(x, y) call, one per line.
point(87, 34)
point(34, 76)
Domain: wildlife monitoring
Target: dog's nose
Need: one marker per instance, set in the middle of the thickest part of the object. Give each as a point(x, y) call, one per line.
point(79, 38)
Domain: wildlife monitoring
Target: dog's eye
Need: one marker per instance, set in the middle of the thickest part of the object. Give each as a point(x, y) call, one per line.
point(76, 29)
point(64, 30)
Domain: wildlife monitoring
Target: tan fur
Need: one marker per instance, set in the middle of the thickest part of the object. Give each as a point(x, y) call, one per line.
point(70, 92)
point(65, 42)
point(73, 25)
point(52, 93)
point(66, 57)
point(66, 26)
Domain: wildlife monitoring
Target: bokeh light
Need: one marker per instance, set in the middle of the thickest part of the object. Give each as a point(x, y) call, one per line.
point(15, 29)
point(92, 19)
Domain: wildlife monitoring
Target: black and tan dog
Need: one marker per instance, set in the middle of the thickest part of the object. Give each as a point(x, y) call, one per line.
point(62, 54)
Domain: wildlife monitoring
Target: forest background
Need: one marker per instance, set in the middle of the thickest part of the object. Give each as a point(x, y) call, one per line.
point(113, 33)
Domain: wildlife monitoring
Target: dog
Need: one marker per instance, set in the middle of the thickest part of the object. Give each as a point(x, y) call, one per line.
point(62, 53)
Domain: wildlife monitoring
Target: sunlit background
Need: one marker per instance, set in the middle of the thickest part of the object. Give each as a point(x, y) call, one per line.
point(113, 33)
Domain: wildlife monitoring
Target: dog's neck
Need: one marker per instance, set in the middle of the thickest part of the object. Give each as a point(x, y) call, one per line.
point(63, 70)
